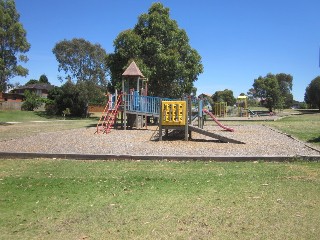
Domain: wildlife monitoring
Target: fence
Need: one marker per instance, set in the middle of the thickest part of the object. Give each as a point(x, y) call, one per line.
point(10, 105)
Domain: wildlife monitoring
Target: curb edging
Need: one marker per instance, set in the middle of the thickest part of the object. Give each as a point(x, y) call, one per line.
point(106, 157)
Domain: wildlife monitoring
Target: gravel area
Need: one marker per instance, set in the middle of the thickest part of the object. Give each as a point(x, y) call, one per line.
point(259, 141)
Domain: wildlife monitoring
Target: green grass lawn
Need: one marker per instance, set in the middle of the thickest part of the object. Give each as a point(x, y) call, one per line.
point(21, 116)
point(28, 116)
point(55, 199)
point(306, 127)
point(58, 199)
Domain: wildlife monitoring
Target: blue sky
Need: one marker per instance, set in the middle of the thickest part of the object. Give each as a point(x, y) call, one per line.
point(238, 40)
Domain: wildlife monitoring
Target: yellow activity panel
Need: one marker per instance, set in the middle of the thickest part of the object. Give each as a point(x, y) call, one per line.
point(173, 113)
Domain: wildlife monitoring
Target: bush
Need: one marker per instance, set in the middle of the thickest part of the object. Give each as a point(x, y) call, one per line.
point(31, 102)
point(74, 97)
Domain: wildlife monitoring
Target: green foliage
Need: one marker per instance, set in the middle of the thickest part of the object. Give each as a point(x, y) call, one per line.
point(161, 50)
point(31, 102)
point(76, 97)
point(312, 94)
point(32, 81)
point(273, 90)
point(66, 112)
point(44, 79)
point(224, 96)
point(83, 60)
point(13, 44)
point(303, 105)
point(252, 100)
point(285, 86)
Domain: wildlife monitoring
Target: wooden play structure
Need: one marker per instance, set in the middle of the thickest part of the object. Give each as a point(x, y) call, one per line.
point(133, 105)
point(220, 109)
point(242, 104)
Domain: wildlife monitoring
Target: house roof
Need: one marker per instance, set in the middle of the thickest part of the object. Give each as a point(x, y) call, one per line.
point(132, 71)
point(37, 86)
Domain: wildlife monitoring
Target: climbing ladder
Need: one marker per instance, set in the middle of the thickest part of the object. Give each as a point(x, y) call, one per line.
point(109, 116)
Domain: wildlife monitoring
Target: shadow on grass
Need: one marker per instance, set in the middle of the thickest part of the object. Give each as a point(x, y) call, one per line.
point(44, 114)
point(5, 124)
point(314, 140)
point(91, 125)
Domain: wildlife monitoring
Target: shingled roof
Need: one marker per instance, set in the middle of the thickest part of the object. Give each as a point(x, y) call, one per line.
point(41, 86)
point(132, 71)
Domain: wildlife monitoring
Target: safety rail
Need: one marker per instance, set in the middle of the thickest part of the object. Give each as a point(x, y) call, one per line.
point(142, 104)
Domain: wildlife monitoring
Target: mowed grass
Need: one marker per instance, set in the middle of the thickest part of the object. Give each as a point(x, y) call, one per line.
point(21, 116)
point(306, 127)
point(59, 199)
point(56, 199)
point(24, 123)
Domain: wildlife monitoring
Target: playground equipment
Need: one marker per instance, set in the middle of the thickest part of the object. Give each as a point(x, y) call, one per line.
point(242, 104)
point(174, 115)
point(216, 120)
point(220, 109)
point(109, 115)
point(133, 113)
point(135, 106)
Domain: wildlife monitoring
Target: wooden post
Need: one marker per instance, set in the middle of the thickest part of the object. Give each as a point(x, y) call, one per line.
point(160, 121)
point(186, 129)
point(124, 111)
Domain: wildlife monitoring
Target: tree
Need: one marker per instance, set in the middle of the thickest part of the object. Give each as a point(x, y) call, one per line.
point(267, 89)
point(224, 96)
point(194, 91)
point(31, 102)
point(13, 44)
point(66, 96)
point(161, 50)
point(83, 60)
point(273, 90)
point(32, 81)
point(43, 79)
point(252, 100)
point(75, 96)
point(285, 86)
point(312, 94)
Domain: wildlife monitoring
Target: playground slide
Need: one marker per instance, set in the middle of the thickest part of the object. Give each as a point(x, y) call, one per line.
point(216, 120)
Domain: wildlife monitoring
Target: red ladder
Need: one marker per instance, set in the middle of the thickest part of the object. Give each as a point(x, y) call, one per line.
point(109, 116)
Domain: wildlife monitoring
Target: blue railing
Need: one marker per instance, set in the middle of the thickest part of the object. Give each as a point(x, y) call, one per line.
point(143, 104)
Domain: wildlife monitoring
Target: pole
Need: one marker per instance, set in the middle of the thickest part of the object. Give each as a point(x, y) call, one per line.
point(160, 121)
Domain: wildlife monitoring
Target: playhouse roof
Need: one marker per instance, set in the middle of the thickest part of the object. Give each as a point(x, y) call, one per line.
point(132, 71)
